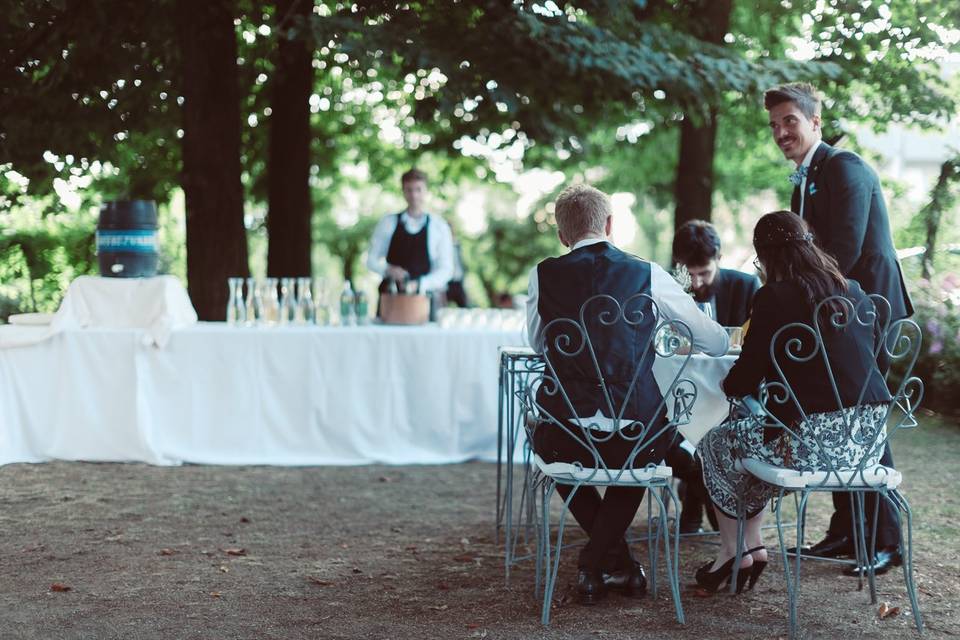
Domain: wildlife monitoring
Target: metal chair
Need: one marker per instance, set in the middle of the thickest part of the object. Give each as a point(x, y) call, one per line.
point(862, 474)
point(578, 340)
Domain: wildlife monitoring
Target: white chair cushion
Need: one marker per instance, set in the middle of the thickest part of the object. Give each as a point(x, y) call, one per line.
point(872, 477)
point(568, 472)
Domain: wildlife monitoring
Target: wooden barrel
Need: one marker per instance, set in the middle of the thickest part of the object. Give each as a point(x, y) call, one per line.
point(127, 239)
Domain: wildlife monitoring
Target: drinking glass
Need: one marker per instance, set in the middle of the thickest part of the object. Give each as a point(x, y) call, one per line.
point(321, 313)
point(254, 303)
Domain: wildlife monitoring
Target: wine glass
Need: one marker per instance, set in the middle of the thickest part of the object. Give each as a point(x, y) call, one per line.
point(707, 309)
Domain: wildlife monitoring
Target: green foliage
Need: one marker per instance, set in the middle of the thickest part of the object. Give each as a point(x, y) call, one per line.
point(41, 257)
point(937, 304)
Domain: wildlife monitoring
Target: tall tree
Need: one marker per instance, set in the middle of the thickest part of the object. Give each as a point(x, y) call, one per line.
point(288, 166)
point(708, 20)
point(216, 238)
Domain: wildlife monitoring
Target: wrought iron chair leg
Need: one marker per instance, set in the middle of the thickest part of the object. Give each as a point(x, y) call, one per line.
point(672, 558)
point(899, 503)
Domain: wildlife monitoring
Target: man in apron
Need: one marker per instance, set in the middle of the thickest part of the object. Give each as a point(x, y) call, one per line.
point(412, 246)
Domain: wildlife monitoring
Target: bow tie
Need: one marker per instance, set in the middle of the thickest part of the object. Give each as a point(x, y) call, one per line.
point(797, 176)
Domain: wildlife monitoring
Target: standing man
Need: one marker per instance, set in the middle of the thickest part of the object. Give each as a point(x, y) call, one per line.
point(839, 195)
point(412, 245)
point(557, 289)
point(696, 246)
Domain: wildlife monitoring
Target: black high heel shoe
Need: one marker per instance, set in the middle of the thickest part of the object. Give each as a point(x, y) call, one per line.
point(757, 568)
point(713, 581)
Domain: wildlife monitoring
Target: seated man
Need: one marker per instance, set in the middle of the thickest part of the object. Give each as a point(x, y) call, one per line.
point(696, 246)
point(558, 287)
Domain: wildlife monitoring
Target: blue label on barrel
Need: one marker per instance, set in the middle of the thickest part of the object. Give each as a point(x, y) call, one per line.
point(128, 240)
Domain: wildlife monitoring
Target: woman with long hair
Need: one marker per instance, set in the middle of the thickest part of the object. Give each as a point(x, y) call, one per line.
point(797, 276)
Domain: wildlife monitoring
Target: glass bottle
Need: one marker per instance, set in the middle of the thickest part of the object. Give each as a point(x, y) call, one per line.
point(304, 310)
point(287, 301)
point(254, 304)
point(236, 313)
point(321, 314)
point(362, 307)
point(347, 315)
point(271, 307)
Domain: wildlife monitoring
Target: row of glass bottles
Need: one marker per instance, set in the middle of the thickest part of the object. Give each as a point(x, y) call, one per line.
point(298, 301)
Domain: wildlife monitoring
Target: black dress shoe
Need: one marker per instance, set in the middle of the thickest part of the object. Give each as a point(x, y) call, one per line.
point(631, 582)
point(885, 560)
point(829, 547)
point(590, 586)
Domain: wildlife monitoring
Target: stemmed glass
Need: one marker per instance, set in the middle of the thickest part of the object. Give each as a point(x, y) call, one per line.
point(287, 300)
point(254, 302)
point(707, 309)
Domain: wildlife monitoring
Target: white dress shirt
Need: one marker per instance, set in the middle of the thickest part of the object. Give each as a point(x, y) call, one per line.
point(807, 159)
point(439, 247)
point(673, 303)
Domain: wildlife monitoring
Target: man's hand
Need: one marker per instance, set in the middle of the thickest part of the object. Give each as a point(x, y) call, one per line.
point(397, 273)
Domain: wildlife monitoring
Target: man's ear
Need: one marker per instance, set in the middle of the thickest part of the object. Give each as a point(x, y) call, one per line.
point(817, 122)
point(608, 226)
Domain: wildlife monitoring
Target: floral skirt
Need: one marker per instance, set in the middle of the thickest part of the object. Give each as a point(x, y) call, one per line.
point(842, 439)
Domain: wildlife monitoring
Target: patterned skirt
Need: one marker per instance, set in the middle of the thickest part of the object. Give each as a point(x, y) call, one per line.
point(842, 439)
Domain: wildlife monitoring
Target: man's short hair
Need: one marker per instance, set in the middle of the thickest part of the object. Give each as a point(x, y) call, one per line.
point(413, 175)
point(582, 211)
point(696, 243)
point(802, 94)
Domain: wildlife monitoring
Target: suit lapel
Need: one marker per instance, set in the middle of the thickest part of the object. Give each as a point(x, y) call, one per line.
point(817, 162)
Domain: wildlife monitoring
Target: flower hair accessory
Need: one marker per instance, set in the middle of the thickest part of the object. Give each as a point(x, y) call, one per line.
point(777, 236)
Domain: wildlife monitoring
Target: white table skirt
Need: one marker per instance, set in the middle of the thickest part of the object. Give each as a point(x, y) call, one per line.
point(283, 396)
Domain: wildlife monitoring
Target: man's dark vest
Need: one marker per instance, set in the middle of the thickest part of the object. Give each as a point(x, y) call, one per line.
point(409, 250)
point(564, 284)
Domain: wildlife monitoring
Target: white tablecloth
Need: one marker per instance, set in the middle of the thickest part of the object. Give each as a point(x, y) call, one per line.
point(158, 305)
point(706, 372)
point(284, 396)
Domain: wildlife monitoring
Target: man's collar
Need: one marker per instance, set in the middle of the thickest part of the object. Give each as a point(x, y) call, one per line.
point(807, 159)
point(586, 242)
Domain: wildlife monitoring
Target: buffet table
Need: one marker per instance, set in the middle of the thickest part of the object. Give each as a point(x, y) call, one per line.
point(215, 394)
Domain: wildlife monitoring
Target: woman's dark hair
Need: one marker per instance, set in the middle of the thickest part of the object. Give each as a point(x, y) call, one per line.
point(696, 243)
point(787, 252)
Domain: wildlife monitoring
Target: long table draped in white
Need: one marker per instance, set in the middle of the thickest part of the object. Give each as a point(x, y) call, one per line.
point(283, 396)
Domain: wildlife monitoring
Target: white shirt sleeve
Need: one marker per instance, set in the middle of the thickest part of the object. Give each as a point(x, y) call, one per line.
point(675, 304)
point(440, 251)
point(534, 322)
point(380, 244)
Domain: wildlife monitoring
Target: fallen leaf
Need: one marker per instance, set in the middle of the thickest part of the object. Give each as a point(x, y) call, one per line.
point(224, 568)
point(235, 551)
point(357, 570)
point(473, 626)
point(320, 583)
point(167, 552)
point(699, 592)
point(384, 479)
point(886, 611)
point(465, 542)
point(245, 520)
point(344, 546)
point(441, 607)
point(214, 594)
point(59, 587)
point(443, 586)
point(466, 557)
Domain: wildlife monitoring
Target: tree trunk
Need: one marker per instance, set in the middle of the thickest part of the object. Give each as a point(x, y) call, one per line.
point(694, 183)
point(216, 237)
point(933, 213)
point(288, 170)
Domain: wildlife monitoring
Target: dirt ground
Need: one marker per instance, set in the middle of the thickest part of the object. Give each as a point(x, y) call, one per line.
point(132, 551)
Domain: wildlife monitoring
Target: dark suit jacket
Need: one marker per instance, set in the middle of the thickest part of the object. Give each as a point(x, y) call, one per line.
point(845, 207)
point(850, 353)
point(734, 295)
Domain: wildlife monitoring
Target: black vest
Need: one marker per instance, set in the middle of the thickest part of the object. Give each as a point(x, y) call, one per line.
point(565, 283)
point(410, 250)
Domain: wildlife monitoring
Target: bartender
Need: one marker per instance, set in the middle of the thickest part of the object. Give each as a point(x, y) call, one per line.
point(413, 245)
